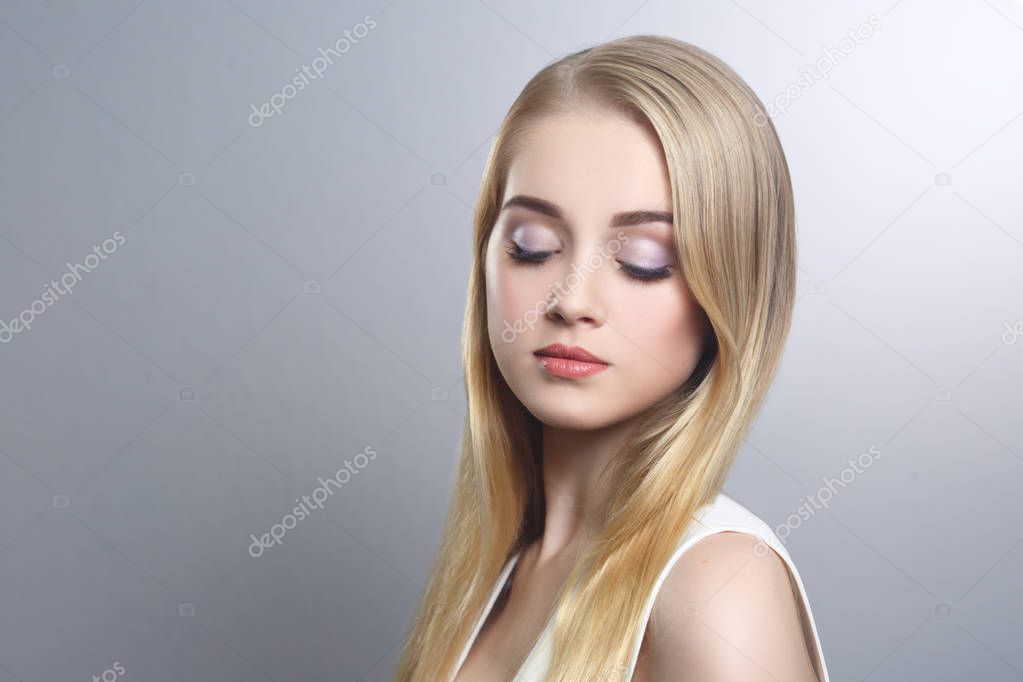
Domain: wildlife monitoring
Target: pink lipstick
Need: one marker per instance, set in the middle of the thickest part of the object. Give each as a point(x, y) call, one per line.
point(569, 361)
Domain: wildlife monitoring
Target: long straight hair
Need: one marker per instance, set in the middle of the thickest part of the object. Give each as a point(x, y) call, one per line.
point(735, 237)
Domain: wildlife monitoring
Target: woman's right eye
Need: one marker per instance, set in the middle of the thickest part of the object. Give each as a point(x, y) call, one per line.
point(522, 255)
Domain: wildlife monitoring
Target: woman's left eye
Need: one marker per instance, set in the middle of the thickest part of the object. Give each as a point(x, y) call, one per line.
point(645, 275)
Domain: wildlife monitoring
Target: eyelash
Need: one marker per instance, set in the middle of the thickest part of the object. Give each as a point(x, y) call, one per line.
point(536, 258)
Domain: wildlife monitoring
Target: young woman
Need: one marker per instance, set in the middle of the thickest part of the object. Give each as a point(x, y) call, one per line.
point(630, 297)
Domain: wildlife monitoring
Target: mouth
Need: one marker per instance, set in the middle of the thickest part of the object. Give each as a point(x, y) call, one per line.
point(569, 361)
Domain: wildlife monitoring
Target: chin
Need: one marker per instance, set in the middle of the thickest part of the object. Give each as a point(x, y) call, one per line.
point(574, 417)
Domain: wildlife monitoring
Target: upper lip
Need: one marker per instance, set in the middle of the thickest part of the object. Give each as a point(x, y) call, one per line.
point(560, 350)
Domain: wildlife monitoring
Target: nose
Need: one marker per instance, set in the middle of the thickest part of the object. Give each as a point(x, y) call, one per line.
point(573, 300)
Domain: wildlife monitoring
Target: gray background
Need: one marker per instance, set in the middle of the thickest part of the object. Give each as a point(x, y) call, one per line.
point(199, 379)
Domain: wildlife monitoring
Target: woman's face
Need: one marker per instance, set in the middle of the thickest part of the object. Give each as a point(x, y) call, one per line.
point(582, 254)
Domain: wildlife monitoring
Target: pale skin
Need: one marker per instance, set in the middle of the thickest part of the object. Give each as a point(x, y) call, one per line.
point(593, 171)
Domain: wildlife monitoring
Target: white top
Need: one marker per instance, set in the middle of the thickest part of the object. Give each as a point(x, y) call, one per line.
point(723, 514)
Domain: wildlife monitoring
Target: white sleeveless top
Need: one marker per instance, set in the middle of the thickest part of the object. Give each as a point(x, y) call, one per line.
point(723, 514)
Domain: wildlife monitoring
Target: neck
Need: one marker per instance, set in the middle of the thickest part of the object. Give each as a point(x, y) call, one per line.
point(574, 492)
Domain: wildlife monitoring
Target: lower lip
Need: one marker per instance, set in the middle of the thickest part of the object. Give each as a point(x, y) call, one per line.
point(571, 369)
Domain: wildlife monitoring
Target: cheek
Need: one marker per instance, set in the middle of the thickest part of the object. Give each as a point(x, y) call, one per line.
point(663, 331)
point(516, 295)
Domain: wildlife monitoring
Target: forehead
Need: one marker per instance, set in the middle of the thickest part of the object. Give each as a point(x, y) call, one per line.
point(592, 165)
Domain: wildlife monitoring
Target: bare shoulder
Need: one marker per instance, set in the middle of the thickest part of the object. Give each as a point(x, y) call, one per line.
point(727, 611)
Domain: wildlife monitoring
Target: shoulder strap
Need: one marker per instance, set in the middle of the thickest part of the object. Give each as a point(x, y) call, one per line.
point(725, 514)
point(484, 612)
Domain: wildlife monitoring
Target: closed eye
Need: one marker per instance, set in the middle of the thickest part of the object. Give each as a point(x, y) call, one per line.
point(646, 275)
point(521, 255)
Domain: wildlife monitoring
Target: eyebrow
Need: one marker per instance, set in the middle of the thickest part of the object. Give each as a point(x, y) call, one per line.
point(624, 219)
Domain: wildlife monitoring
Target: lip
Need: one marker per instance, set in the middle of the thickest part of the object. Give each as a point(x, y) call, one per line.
point(569, 361)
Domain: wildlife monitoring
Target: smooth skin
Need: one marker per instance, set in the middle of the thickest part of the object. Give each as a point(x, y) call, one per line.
point(593, 184)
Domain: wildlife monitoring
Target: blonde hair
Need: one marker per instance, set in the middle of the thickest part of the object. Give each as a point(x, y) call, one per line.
point(735, 235)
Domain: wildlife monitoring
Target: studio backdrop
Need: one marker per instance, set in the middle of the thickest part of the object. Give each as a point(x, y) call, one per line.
point(235, 240)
